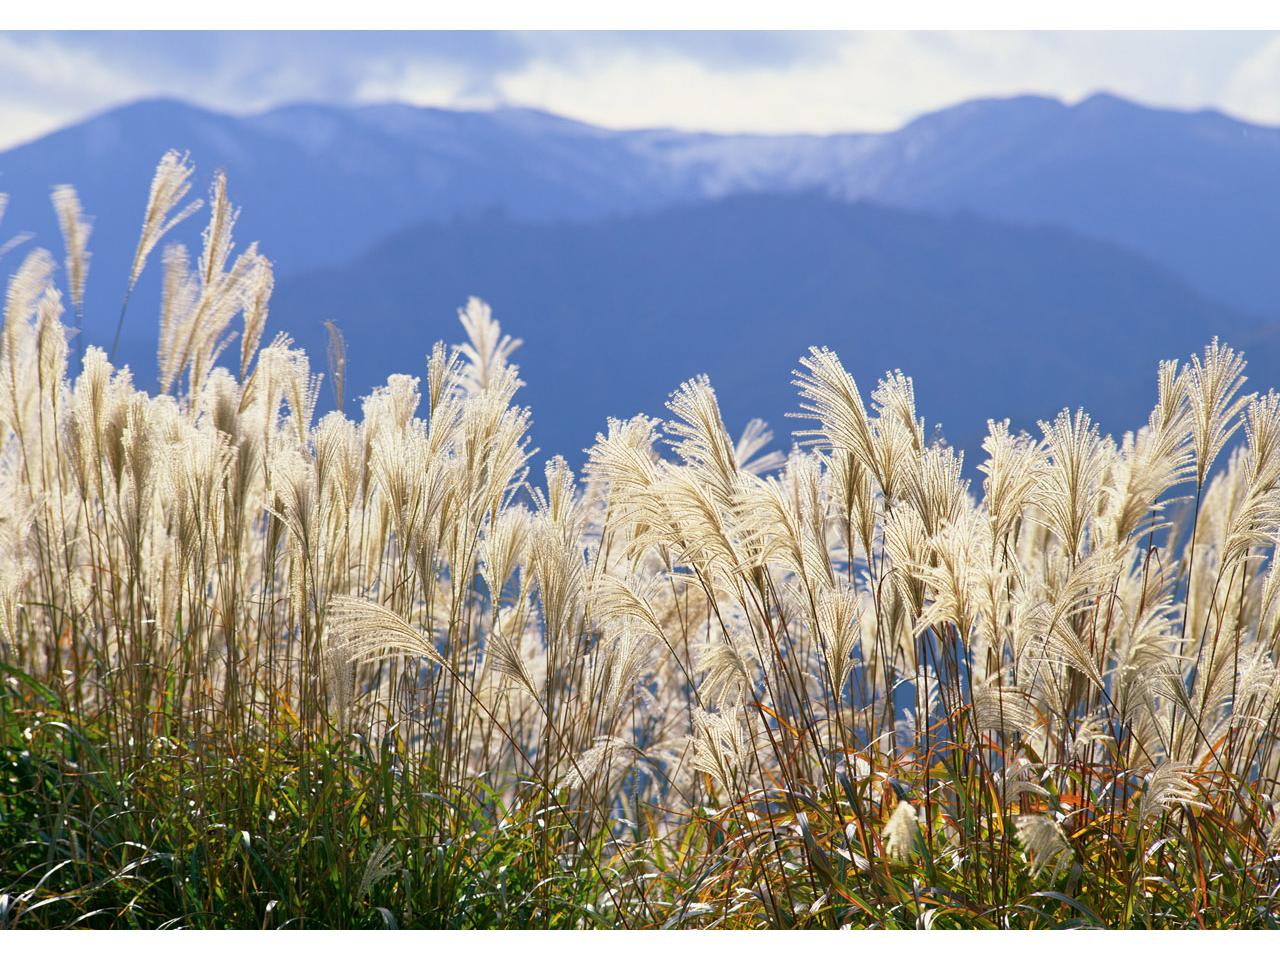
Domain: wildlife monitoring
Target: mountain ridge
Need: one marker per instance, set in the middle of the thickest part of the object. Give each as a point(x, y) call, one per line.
point(991, 320)
point(1198, 191)
point(1160, 210)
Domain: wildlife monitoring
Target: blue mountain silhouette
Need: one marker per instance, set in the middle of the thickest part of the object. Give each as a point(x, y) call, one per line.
point(1014, 255)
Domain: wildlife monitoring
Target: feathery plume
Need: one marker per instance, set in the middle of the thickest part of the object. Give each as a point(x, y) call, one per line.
point(902, 831)
point(487, 350)
point(337, 354)
point(1214, 384)
point(369, 631)
point(1171, 783)
point(255, 297)
point(75, 239)
point(171, 183)
point(1044, 842)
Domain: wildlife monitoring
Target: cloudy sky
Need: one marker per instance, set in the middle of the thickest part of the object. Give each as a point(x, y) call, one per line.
point(816, 82)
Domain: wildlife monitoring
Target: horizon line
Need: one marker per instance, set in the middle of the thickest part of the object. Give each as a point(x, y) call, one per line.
point(1100, 94)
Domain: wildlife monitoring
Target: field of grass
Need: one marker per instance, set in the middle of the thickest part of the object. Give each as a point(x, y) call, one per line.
point(377, 669)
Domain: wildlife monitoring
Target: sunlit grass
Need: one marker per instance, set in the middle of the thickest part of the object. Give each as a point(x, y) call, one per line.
point(267, 670)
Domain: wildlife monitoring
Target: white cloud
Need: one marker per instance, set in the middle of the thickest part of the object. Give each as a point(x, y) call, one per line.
point(46, 84)
point(1255, 83)
point(877, 81)
point(722, 82)
point(425, 85)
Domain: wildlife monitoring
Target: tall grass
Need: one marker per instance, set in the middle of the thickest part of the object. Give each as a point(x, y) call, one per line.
point(264, 669)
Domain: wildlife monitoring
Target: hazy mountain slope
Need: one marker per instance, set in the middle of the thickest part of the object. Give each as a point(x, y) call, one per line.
point(1198, 193)
point(992, 320)
point(317, 184)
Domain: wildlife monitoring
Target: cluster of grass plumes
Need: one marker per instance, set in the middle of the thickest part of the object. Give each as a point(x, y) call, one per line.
point(264, 669)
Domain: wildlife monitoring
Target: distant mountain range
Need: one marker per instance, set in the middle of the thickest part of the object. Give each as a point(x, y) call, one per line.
point(991, 320)
point(1014, 255)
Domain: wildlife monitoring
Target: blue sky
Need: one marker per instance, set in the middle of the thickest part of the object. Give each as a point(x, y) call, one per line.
point(765, 81)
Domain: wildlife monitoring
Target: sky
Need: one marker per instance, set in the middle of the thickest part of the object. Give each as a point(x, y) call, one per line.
point(720, 81)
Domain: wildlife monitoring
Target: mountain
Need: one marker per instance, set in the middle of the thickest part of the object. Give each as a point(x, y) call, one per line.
point(1197, 193)
point(991, 319)
point(317, 184)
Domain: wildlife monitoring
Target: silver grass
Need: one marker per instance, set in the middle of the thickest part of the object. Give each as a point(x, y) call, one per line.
point(380, 865)
point(626, 664)
point(217, 244)
point(26, 287)
point(339, 459)
point(1255, 688)
point(838, 613)
point(894, 398)
point(902, 831)
point(598, 760)
point(75, 239)
point(366, 630)
point(1006, 709)
point(255, 295)
point(488, 349)
point(1019, 778)
point(1214, 384)
point(503, 549)
point(1091, 735)
point(1070, 482)
point(557, 569)
point(1045, 843)
point(179, 296)
point(169, 186)
point(955, 578)
point(700, 440)
point(1256, 522)
point(391, 407)
point(340, 676)
point(750, 453)
point(1152, 461)
point(719, 745)
point(728, 666)
point(830, 396)
point(701, 606)
point(504, 653)
point(1013, 467)
point(781, 519)
point(1170, 784)
point(51, 342)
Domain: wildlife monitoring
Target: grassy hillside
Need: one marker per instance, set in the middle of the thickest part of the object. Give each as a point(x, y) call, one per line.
point(264, 669)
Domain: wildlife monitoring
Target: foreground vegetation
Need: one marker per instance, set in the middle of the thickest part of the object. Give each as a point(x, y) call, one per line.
point(264, 670)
